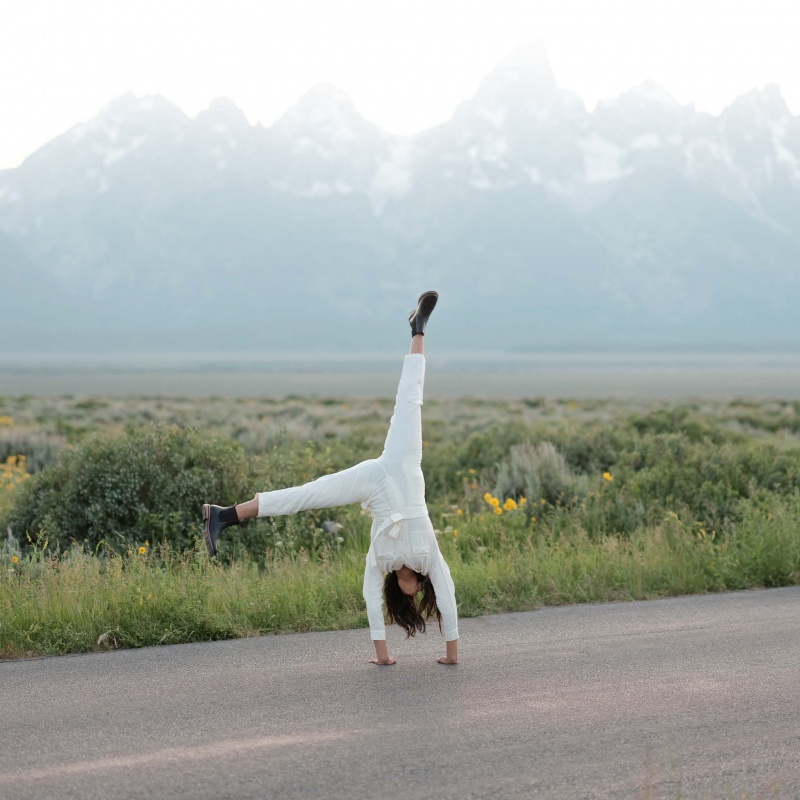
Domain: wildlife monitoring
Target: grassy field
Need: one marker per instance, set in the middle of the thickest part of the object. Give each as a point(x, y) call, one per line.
point(535, 502)
point(656, 375)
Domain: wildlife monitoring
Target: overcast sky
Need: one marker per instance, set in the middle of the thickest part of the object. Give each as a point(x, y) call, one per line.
point(406, 65)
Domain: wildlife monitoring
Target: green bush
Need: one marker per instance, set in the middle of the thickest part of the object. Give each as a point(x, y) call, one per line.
point(591, 448)
point(444, 463)
point(679, 419)
point(670, 471)
point(148, 483)
point(539, 471)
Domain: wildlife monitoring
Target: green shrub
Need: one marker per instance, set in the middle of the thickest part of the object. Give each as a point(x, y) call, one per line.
point(539, 471)
point(444, 463)
point(591, 448)
point(668, 471)
point(678, 419)
point(148, 483)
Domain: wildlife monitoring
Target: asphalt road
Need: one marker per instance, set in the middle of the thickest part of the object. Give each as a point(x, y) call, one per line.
point(693, 697)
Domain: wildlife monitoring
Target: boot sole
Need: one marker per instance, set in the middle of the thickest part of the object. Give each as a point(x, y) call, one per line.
point(212, 551)
point(435, 296)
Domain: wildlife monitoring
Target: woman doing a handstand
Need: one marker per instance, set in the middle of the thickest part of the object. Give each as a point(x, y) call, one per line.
point(404, 557)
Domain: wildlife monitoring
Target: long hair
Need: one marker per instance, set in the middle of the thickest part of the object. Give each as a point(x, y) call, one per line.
point(405, 611)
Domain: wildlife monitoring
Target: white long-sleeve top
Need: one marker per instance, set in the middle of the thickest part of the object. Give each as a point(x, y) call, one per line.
point(415, 546)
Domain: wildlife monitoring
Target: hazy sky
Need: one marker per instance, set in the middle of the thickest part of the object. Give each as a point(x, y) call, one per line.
point(406, 65)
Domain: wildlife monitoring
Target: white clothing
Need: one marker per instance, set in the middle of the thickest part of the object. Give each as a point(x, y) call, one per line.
point(393, 489)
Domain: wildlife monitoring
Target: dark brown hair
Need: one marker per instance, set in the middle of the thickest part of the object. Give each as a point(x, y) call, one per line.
point(404, 610)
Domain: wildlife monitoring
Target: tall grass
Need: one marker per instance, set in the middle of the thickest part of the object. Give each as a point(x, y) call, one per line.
point(79, 601)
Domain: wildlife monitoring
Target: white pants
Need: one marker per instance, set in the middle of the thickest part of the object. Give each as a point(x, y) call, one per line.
point(366, 483)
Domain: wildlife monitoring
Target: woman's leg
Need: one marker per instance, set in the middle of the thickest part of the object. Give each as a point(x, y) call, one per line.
point(247, 510)
point(404, 439)
point(405, 427)
point(354, 485)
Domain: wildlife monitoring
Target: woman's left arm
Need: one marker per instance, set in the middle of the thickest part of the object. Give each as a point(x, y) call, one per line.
point(446, 601)
point(452, 653)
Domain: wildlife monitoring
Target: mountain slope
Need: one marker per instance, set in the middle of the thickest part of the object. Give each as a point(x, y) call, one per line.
point(642, 223)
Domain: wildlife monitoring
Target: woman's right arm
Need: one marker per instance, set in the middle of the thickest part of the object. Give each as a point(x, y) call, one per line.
point(446, 602)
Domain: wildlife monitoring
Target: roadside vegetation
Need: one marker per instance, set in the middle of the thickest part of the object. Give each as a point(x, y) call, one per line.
point(535, 502)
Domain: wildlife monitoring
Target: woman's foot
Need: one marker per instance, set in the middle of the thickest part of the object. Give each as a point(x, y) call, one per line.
point(419, 317)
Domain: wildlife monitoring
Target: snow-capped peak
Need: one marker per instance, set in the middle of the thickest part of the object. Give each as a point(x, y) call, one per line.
point(324, 112)
point(522, 87)
point(651, 92)
point(765, 104)
point(526, 67)
point(646, 94)
point(532, 55)
point(223, 111)
point(129, 104)
point(325, 97)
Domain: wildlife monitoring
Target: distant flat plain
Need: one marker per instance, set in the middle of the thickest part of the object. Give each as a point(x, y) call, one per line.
point(623, 375)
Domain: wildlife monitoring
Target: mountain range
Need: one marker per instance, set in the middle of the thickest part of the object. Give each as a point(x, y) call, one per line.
point(643, 223)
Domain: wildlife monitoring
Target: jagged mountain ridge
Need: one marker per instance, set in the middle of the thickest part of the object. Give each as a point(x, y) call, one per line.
point(643, 222)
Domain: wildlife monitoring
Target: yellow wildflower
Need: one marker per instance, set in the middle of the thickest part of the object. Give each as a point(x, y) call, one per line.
point(488, 497)
point(455, 531)
point(14, 560)
point(608, 476)
point(472, 471)
point(510, 504)
point(13, 471)
point(6, 420)
point(459, 512)
point(523, 500)
point(142, 551)
point(498, 510)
